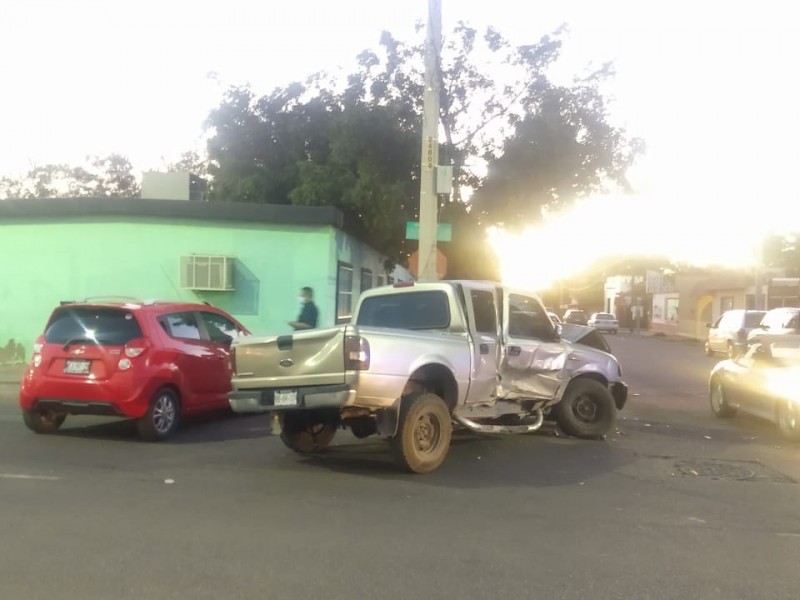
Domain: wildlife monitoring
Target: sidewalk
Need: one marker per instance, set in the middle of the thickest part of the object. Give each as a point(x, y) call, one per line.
point(11, 374)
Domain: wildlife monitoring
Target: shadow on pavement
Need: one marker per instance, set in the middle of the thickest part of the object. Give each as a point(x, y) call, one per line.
point(480, 461)
point(199, 429)
point(738, 430)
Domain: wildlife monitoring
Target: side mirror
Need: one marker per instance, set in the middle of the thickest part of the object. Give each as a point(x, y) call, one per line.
point(558, 329)
point(709, 325)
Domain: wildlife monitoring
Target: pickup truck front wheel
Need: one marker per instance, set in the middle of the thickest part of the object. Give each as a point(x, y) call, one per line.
point(587, 409)
point(304, 434)
point(423, 433)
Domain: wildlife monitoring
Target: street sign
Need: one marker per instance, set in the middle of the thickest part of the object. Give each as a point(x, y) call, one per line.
point(444, 231)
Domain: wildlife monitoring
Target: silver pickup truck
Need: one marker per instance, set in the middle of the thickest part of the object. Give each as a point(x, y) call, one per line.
point(418, 358)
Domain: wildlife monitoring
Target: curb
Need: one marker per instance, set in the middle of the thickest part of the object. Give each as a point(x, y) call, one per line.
point(676, 338)
point(687, 339)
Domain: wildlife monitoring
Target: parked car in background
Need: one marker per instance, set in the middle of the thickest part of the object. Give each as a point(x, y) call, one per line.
point(764, 382)
point(777, 323)
point(728, 334)
point(604, 322)
point(575, 316)
point(150, 361)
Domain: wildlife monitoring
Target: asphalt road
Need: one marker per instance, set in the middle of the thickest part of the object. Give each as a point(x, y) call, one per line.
point(675, 504)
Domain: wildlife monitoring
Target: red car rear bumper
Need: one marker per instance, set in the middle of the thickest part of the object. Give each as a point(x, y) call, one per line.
point(122, 395)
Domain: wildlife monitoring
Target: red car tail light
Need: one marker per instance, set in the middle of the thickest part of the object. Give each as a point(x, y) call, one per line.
point(38, 346)
point(356, 353)
point(136, 347)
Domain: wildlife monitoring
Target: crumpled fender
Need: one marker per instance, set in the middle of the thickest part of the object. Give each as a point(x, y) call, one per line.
point(587, 336)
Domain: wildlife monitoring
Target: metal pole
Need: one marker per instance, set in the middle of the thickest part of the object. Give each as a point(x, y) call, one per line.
point(757, 300)
point(428, 199)
point(756, 295)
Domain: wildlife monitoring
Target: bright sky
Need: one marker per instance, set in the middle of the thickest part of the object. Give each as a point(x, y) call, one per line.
point(712, 86)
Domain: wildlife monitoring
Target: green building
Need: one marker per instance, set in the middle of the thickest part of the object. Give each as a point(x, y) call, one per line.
point(248, 259)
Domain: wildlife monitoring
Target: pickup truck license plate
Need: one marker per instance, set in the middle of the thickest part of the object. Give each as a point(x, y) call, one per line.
point(286, 398)
point(77, 367)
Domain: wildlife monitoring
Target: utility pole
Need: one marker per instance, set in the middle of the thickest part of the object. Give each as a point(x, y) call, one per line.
point(758, 302)
point(428, 198)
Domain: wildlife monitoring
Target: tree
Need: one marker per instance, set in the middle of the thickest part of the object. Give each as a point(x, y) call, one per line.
point(354, 143)
point(109, 176)
point(561, 150)
point(192, 162)
point(292, 147)
point(782, 251)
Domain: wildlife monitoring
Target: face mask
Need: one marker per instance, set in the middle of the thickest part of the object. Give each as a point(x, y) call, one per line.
point(301, 300)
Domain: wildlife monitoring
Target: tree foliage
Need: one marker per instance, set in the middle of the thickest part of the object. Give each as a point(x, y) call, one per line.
point(108, 176)
point(782, 251)
point(355, 143)
point(192, 162)
point(560, 150)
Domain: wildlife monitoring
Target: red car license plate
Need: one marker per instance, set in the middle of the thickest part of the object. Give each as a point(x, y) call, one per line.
point(77, 367)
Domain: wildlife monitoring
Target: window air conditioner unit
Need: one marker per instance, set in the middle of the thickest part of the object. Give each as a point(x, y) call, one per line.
point(207, 273)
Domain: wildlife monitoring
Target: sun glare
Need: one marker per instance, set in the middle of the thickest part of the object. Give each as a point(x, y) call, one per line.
point(569, 242)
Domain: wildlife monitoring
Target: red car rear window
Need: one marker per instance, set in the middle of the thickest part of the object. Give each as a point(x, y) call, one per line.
point(102, 326)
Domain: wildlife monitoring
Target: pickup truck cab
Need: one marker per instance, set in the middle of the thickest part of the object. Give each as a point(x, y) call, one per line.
point(418, 357)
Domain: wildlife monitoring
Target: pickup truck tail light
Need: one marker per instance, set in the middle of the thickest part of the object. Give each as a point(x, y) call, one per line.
point(232, 359)
point(356, 353)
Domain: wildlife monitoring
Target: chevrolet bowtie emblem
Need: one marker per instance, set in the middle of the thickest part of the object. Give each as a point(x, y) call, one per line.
point(78, 351)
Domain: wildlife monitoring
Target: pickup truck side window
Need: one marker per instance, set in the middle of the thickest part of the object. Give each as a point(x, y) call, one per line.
point(485, 312)
point(410, 310)
point(528, 319)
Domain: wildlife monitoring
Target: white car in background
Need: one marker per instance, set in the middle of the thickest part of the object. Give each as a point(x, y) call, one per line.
point(604, 322)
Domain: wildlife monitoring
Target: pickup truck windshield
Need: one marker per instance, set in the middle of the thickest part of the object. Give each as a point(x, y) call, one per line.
point(409, 310)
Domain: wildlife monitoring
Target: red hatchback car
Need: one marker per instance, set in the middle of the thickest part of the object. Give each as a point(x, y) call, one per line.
point(149, 361)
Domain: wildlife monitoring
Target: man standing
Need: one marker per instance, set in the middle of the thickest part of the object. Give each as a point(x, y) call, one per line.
point(308, 312)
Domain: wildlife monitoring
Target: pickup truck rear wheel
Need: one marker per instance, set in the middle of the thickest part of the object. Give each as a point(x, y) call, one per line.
point(305, 435)
point(587, 409)
point(423, 433)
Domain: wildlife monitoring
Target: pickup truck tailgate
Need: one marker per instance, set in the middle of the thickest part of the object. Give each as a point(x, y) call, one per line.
point(303, 358)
